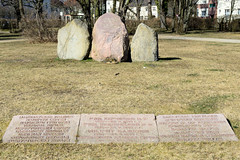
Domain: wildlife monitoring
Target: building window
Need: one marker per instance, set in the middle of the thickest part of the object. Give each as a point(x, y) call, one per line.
point(204, 13)
point(154, 8)
point(227, 12)
point(146, 8)
point(204, 2)
point(219, 11)
point(212, 5)
point(238, 11)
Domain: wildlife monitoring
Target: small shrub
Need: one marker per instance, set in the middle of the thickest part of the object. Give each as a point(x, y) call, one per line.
point(235, 25)
point(4, 24)
point(196, 23)
point(46, 31)
point(132, 25)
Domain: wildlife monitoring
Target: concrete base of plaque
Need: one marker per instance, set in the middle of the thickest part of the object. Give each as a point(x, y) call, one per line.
point(42, 129)
point(117, 128)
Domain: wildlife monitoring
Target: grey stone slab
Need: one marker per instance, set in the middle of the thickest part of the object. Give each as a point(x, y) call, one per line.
point(194, 127)
point(117, 128)
point(42, 129)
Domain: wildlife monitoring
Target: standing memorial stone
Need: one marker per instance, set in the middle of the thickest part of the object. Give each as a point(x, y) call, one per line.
point(110, 39)
point(117, 128)
point(42, 129)
point(73, 41)
point(194, 127)
point(144, 46)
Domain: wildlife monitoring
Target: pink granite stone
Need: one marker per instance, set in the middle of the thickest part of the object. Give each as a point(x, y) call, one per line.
point(194, 127)
point(110, 39)
point(117, 128)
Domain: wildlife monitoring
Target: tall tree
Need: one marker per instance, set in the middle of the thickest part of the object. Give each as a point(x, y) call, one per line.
point(149, 9)
point(162, 6)
point(18, 7)
point(185, 10)
point(230, 16)
point(71, 6)
point(114, 10)
point(139, 4)
point(86, 9)
point(123, 7)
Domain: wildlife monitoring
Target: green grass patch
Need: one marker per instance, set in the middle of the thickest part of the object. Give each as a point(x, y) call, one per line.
point(156, 86)
point(215, 70)
point(208, 105)
point(193, 75)
point(150, 65)
point(187, 81)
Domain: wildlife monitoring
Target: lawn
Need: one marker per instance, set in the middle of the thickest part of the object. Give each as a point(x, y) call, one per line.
point(191, 78)
point(209, 34)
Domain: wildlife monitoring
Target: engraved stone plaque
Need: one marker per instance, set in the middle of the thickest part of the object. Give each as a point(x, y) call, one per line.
point(117, 128)
point(194, 127)
point(42, 129)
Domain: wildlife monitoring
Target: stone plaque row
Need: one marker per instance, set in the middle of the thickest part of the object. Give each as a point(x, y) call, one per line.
point(118, 128)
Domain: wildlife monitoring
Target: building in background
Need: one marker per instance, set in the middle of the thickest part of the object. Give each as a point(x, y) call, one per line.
point(207, 8)
point(133, 8)
point(224, 9)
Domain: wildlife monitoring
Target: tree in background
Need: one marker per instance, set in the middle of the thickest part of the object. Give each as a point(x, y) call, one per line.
point(72, 6)
point(123, 7)
point(183, 10)
point(149, 9)
point(114, 10)
point(230, 16)
point(18, 7)
point(138, 4)
point(162, 6)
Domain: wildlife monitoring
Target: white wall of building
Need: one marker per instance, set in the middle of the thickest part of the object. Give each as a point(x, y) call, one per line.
point(224, 8)
point(130, 15)
point(109, 6)
point(202, 1)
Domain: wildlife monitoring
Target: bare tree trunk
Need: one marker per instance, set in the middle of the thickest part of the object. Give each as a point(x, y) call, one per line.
point(149, 9)
point(123, 7)
point(114, 6)
point(86, 8)
point(174, 15)
point(21, 8)
point(230, 17)
point(138, 12)
point(96, 9)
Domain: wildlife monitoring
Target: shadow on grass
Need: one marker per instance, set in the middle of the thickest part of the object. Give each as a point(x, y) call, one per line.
point(230, 123)
point(169, 58)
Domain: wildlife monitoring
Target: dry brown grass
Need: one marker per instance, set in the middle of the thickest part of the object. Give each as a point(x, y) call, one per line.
point(224, 35)
point(205, 80)
point(205, 34)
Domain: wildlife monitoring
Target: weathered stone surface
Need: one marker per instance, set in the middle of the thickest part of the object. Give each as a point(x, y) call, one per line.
point(117, 128)
point(73, 41)
point(194, 127)
point(110, 39)
point(42, 129)
point(144, 45)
